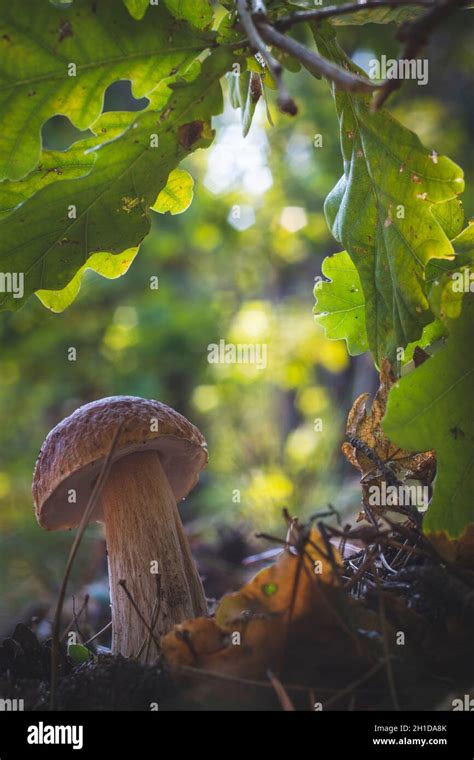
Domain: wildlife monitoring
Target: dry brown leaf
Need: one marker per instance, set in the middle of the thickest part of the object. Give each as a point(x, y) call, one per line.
point(257, 617)
point(372, 453)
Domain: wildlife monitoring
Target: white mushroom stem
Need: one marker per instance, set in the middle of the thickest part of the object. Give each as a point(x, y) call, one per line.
point(142, 528)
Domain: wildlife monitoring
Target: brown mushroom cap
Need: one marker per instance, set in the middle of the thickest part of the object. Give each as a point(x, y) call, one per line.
point(73, 453)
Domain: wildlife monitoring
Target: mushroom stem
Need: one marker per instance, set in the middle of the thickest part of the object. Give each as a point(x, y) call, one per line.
point(143, 532)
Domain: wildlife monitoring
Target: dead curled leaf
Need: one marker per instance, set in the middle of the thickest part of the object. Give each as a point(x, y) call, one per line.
point(252, 630)
point(372, 453)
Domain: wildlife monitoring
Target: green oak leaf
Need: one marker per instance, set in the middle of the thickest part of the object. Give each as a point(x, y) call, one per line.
point(102, 42)
point(433, 407)
point(340, 308)
point(109, 265)
point(52, 235)
point(381, 211)
point(177, 195)
point(340, 303)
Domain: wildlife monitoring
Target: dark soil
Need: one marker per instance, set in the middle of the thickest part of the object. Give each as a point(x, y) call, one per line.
point(103, 683)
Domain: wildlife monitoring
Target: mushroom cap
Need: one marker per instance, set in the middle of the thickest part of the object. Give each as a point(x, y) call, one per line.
point(73, 453)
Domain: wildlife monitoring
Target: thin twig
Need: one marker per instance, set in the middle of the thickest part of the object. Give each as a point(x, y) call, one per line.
point(99, 633)
point(285, 23)
point(283, 698)
point(257, 44)
point(75, 618)
point(132, 601)
point(415, 35)
point(155, 613)
point(366, 563)
point(323, 532)
point(329, 512)
point(315, 63)
point(269, 554)
point(404, 548)
point(93, 499)
point(386, 563)
point(77, 615)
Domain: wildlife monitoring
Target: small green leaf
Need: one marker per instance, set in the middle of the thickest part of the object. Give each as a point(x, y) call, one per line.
point(269, 589)
point(433, 407)
point(340, 308)
point(177, 195)
point(340, 303)
point(79, 654)
point(233, 79)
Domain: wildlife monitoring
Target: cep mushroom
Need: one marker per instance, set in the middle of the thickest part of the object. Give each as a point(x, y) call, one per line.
point(156, 462)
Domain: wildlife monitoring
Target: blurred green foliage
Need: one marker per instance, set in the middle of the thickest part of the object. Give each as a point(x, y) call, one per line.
point(238, 266)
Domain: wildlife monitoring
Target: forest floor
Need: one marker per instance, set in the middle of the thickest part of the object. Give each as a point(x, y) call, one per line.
point(385, 623)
